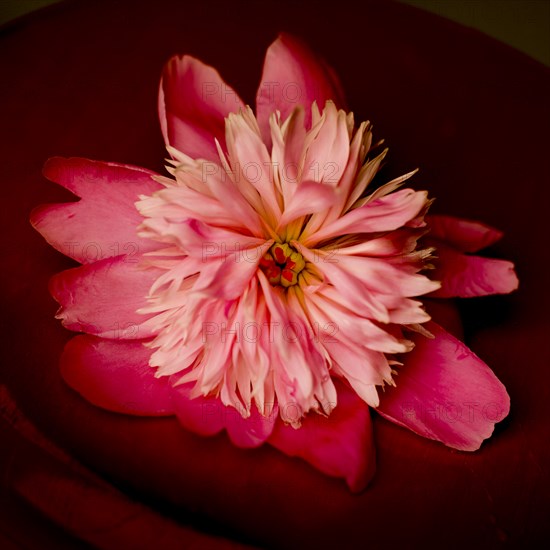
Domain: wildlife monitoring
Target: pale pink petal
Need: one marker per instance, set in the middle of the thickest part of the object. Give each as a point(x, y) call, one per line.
point(310, 197)
point(363, 368)
point(176, 204)
point(292, 76)
point(102, 298)
point(297, 363)
point(383, 276)
point(103, 223)
point(203, 241)
point(288, 149)
point(227, 277)
point(193, 102)
point(403, 311)
point(445, 392)
point(115, 376)
point(250, 158)
point(383, 214)
point(401, 241)
point(339, 445)
point(327, 156)
point(340, 323)
point(346, 289)
point(209, 416)
point(462, 234)
point(466, 276)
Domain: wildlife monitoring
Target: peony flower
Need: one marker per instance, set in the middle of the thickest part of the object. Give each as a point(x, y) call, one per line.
point(269, 286)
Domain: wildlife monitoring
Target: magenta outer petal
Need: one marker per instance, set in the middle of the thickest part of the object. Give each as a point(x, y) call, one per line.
point(193, 103)
point(292, 76)
point(252, 431)
point(445, 392)
point(208, 416)
point(115, 375)
point(466, 276)
point(103, 223)
point(102, 298)
point(201, 415)
point(464, 235)
point(340, 445)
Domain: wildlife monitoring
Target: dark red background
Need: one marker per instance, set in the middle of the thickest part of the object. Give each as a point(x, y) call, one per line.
point(81, 79)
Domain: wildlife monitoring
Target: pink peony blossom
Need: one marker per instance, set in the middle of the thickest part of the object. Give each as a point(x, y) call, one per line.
point(268, 287)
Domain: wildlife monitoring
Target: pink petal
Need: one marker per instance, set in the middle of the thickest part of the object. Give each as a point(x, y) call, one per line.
point(201, 415)
point(208, 416)
point(226, 277)
point(328, 154)
point(193, 102)
point(310, 197)
point(339, 445)
point(384, 277)
point(252, 431)
point(102, 298)
point(383, 214)
point(346, 289)
point(292, 76)
point(288, 148)
point(204, 241)
point(103, 223)
point(466, 276)
point(400, 241)
point(343, 324)
point(465, 235)
point(445, 392)
point(251, 160)
point(403, 311)
point(361, 367)
point(115, 376)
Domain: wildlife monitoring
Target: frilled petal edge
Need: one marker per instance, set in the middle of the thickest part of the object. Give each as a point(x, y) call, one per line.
point(103, 222)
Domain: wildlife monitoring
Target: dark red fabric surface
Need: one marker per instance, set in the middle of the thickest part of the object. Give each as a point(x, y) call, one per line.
point(81, 79)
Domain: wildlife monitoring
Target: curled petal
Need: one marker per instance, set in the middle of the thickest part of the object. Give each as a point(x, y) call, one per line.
point(292, 76)
point(102, 298)
point(383, 214)
point(464, 235)
point(226, 277)
point(193, 102)
point(202, 240)
point(115, 375)
point(103, 223)
point(445, 392)
point(466, 276)
point(310, 197)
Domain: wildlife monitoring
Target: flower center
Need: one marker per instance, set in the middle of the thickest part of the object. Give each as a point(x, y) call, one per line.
point(282, 264)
